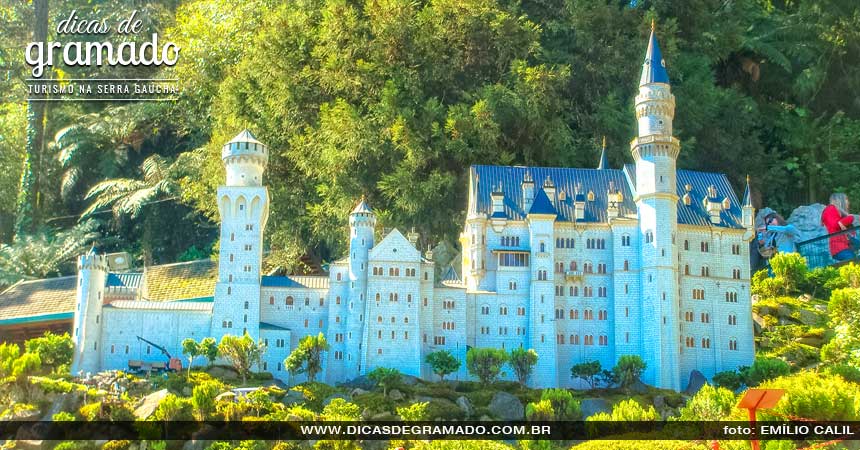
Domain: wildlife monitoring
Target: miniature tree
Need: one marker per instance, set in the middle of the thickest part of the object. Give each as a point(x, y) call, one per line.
point(307, 356)
point(242, 352)
point(191, 349)
point(628, 370)
point(54, 350)
point(384, 377)
point(443, 363)
point(523, 362)
point(586, 371)
point(209, 349)
point(486, 363)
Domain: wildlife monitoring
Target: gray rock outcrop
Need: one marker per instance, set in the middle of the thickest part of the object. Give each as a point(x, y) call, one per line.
point(506, 406)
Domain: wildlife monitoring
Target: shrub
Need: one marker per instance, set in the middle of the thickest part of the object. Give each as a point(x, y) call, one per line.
point(709, 404)
point(341, 410)
point(173, 408)
point(414, 412)
point(75, 445)
point(823, 280)
point(522, 361)
point(374, 402)
point(117, 445)
point(728, 379)
point(764, 369)
point(849, 373)
point(815, 396)
point(443, 363)
point(384, 377)
point(203, 398)
point(791, 269)
point(540, 411)
point(54, 350)
point(563, 404)
point(444, 410)
point(486, 363)
point(628, 369)
point(586, 371)
point(627, 410)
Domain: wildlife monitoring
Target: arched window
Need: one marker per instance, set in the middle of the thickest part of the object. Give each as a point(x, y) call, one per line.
point(290, 300)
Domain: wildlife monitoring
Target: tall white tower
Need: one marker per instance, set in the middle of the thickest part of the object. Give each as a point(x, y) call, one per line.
point(89, 298)
point(655, 151)
point(362, 222)
point(244, 206)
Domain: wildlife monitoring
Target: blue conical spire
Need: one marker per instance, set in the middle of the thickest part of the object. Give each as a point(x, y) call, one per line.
point(747, 197)
point(604, 161)
point(654, 67)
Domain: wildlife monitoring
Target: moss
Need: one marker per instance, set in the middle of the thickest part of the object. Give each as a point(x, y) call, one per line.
point(445, 410)
point(374, 402)
point(480, 398)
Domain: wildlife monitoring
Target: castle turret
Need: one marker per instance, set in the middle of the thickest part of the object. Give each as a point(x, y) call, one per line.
point(747, 209)
point(362, 223)
point(655, 151)
point(88, 321)
point(541, 335)
point(604, 161)
point(243, 203)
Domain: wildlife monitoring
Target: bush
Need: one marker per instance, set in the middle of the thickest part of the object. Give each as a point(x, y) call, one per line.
point(540, 411)
point(627, 410)
point(822, 281)
point(728, 379)
point(203, 398)
point(75, 445)
point(815, 396)
point(413, 412)
point(563, 404)
point(709, 404)
point(444, 410)
point(117, 445)
point(63, 416)
point(849, 373)
point(374, 402)
point(173, 408)
point(764, 369)
point(628, 369)
point(486, 363)
point(384, 377)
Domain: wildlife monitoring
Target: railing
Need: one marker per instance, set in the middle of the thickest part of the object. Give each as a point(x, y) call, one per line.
point(817, 250)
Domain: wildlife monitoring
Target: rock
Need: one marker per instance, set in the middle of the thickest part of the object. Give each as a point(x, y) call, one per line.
point(423, 398)
point(697, 380)
point(409, 380)
point(808, 317)
point(25, 444)
point(222, 372)
point(359, 382)
point(506, 406)
point(293, 397)
point(330, 398)
point(149, 404)
point(366, 413)
point(383, 416)
point(659, 401)
point(807, 220)
point(639, 387)
point(783, 311)
point(395, 395)
point(758, 323)
point(810, 340)
point(357, 391)
point(592, 406)
point(465, 405)
point(195, 445)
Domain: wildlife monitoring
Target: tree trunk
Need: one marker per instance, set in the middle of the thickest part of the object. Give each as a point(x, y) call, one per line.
point(28, 207)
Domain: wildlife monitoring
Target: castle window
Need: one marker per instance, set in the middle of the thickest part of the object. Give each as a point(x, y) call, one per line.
point(542, 247)
point(686, 269)
point(306, 323)
point(339, 276)
point(588, 267)
point(601, 291)
point(289, 301)
point(573, 266)
point(111, 349)
point(248, 247)
point(574, 339)
point(706, 343)
point(736, 249)
point(513, 259)
point(587, 314)
point(409, 298)
point(626, 311)
point(377, 296)
point(626, 288)
point(601, 268)
point(379, 351)
point(704, 247)
point(232, 236)
point(731, 297)
point(485, 310)
point(706, 271)
point(307, 301)
point(733, 344)
point(246, 305)
point(231, 257)
point(627, 337)
point(686, 244)
point(649, 237)
point(126, 349)
point(229, 290)
point(736, 274)
point(626, 265)
point(625, 240)
point(706, 318)
point(602, 314)
point(688, 316)
point(541, 275)
point(603, 340)
point(559, 314)
point(425, 276)
point(559, 339)
point(503, 310)
point(698, 294)
point(271, 300)
point(588, 339)
point(97, 318)
point(733, 319)
point(322, 302)
point(521, 311)
point(690, 342)
point(574, 314)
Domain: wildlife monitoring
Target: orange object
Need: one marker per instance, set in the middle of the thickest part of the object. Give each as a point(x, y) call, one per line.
point(759, 399)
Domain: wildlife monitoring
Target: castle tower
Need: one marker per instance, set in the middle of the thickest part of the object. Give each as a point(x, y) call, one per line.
point(541, 326)
point(362, 222)
point(244, 206)
point(747, 210)
point(89, 297)
point(655, 151)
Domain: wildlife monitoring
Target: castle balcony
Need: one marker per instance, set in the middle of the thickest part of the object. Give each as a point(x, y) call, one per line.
point(573, 275)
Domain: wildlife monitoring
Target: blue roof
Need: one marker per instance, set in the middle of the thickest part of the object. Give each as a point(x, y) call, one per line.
point(604, 161)
point(654, 67)
point(269, 326)
point(278, 281)
point(564, 179)
point(541, 204)
point(126, 280)
point(747, 197)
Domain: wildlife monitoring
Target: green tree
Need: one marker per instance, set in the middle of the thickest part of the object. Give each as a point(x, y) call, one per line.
point(191, 349)
point(209, 349)
point(522, 361)
point(812, 395)
point(443, 363)
point(728, 379)
point(486, 363)
point(54, 350)
point(242, 352)
point(307, 356)
point(173, 408)
point(540, 411)
point(791, 269)
point(586, 371)
point(385, 377)
point(203, 398)
point(45, 254)
point(414, 412)
point(628, 369)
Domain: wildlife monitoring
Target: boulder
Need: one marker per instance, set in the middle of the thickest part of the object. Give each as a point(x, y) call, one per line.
point(659, 401)
point(639, 387)
point(334, 396)
point(506, 406)
point(807, 220)
point(149, 404)
point(808, 317)
point(222, 372)
point(465, 405)
point(592, 406)
point(293, 397)
point(357, 391)
point(409, 380)
point(395, 395)
point(697, 380)
point(810, 340)
point(359, 382)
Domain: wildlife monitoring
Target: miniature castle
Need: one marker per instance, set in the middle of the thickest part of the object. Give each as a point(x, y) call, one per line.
point(577, 264)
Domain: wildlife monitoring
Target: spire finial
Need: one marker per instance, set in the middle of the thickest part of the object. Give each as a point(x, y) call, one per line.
point(604, 141)
point(748, 178)
point(653, 24)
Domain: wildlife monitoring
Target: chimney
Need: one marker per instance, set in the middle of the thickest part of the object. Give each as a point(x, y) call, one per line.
point(713, 204)
point(613, 201)
point(579, 202)
point(412, 237)
point(498, 198)
point(528, 191)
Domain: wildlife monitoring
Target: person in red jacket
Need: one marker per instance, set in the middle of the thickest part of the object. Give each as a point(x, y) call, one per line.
point(835, 218)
